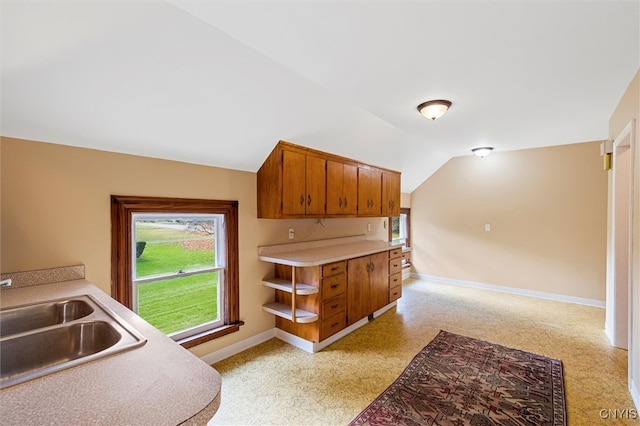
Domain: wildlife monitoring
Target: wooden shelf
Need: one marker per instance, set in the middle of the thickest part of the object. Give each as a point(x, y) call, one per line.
point(284, 311)
point(285, 285)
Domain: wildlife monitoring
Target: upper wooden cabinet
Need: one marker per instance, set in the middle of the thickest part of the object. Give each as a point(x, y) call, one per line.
point(306, 191)
point(297, 182)
point(369, 192)
point(390, 194)
point(342, 188)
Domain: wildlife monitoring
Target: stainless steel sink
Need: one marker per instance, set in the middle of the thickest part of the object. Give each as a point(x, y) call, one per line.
point(31, 317)
point(47, 337)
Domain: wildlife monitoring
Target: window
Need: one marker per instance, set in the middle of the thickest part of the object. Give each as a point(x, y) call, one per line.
point(399, 229)
point(175, 263)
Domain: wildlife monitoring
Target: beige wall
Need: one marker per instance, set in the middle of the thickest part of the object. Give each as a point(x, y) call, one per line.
point(547, 210)
point(55, 212)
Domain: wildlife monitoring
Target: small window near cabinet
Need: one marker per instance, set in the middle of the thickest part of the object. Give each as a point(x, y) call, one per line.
point(399, 229)
point(175, 263)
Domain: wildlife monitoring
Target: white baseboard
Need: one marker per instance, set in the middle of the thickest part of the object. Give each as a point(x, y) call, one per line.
point(635, 393)
point(512, 290)
point(236, 348)
point(305, 345)
point(312, 347)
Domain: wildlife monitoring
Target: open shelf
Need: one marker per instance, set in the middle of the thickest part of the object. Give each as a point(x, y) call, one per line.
point(285, 285)
point(284, 311)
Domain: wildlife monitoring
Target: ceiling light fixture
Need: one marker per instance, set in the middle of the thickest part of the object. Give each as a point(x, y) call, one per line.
point(482, 151)
point(434, 109)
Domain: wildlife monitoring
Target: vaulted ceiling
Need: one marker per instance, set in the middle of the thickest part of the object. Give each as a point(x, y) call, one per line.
point(219, 83)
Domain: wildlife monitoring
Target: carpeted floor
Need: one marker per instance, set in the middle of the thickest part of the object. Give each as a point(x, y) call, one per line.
point(277, 384)
point(460, 380)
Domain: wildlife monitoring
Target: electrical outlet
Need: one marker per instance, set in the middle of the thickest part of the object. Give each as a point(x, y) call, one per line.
point(368, 227)
point(487, 227)
point(291, 233)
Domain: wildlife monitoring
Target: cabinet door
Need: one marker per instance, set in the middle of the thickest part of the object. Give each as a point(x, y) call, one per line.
point(342, 188)
point(369, 192)
point(335, 178)
point(379, 280)
point(315, 182)
point(293, 186)
point(390, 194)
point(350, 189)
point(358, 291)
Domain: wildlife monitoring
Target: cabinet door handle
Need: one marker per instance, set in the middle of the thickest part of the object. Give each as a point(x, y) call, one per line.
point(340, 202)
point(345, 203)
point(301, 199)
point(309, 203)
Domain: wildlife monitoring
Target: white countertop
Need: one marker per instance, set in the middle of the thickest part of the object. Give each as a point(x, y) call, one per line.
point(314, 253)
point(159, 383)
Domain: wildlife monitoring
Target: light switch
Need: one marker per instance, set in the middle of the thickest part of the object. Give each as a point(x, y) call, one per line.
point(487, 227)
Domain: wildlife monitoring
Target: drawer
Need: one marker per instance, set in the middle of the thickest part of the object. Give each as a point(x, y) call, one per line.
point(334, 306)
point(334, 268)
point(395, 293)
point(333, 286)
point(395, 253)
point(332, 325)
point(395, 280)
point(406, 257)
point(395, 266)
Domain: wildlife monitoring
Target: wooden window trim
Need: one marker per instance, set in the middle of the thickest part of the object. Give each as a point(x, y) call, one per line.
point(122, 209)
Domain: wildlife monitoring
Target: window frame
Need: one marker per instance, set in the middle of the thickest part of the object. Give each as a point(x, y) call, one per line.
point(122, 209)
point(407, 211)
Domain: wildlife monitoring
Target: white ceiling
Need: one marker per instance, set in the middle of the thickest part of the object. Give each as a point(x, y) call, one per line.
point(219, 83)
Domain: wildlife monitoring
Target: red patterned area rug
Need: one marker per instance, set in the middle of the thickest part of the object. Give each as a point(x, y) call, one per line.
point(457, 380)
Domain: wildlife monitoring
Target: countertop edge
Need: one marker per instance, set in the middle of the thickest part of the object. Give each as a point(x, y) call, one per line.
point(319, 255)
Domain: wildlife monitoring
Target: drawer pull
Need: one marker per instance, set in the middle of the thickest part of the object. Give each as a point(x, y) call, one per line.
point(335, 285)
point(335, 268)
point(335, 306)
point(334, 324)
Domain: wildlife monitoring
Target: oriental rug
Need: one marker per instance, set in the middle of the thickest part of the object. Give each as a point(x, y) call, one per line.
point(458, 380)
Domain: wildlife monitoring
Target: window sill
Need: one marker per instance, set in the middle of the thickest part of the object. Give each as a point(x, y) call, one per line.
point(198, 339)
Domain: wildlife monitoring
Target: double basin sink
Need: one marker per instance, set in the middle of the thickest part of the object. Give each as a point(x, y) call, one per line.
point(46, 337)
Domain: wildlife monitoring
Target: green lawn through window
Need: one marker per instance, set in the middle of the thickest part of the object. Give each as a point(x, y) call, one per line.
point(182, 302)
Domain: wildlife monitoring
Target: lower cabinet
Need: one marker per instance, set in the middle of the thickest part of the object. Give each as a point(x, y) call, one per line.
point(316, 302)
point(395, 274)
point(367, 289)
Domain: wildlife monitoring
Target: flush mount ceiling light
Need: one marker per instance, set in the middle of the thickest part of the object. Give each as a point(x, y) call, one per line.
point(482, 151)
point(434, 109)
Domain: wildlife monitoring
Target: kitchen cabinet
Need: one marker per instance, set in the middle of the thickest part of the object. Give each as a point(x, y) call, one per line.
point(367, 286)
point(390, 194)
point(342, 188)
point(369, 192)
point(325, 289)
point(306, 175)
point(395, 274)
point(299, 182)
point(319, 300)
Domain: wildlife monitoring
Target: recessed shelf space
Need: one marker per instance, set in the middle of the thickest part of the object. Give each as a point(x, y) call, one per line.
point(284, 311)
point(285, 285)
